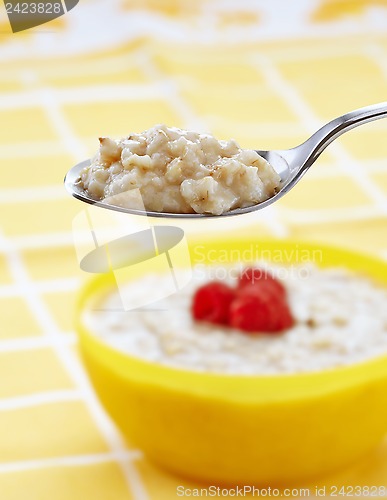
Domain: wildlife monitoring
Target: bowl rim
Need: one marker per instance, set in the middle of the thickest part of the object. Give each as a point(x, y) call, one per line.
point(245, 388)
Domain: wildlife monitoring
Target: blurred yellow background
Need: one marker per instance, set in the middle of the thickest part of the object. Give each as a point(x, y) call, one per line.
point(265, 73)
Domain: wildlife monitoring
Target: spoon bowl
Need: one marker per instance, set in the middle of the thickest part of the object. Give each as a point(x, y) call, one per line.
point(290, 164)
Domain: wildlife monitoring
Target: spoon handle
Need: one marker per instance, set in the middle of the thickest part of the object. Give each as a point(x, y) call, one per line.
point(311, 149)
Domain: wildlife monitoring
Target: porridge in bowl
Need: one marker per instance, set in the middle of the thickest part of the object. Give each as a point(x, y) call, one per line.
point(240, 399)
point(228, 320)
point(178, 171)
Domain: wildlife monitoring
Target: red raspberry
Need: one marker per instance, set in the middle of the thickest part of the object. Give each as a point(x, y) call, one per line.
point(259, 309)
point(285, 319)
point(256, 276)
point(211, 303)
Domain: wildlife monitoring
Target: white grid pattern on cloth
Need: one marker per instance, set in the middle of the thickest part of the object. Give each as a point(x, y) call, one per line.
point(76, 460)
point(51, 100)
point(73, 368)
point(344, 161)
point(54, 338)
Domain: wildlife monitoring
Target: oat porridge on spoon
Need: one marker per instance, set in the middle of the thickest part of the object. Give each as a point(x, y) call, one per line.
point(178, 173)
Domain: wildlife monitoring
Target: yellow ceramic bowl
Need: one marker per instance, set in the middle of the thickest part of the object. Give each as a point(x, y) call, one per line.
point(228, 429)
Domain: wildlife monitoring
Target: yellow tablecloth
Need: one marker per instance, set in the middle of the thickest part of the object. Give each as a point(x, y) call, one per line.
point(264, 74)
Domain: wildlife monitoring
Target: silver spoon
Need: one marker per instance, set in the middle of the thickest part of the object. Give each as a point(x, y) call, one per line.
point(290, 164)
